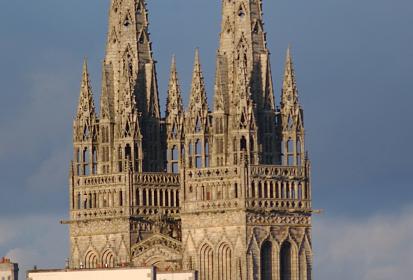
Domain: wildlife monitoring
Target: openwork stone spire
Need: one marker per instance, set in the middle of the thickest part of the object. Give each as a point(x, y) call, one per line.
point(174, 105)
point(198, 105)
point(197, 123)
point(292, 119)
point(85, 130)
point(132, 89)
point(174, 122)
point(86, 107)
point(129, 46)
point(244, 88)
point(84, 125)
point(242, 21)
point(290, 91)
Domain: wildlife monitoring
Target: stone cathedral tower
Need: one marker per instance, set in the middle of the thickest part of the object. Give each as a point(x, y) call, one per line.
point(223, 191)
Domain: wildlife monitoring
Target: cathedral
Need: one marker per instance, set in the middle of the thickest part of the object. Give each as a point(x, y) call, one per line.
point(222, 190)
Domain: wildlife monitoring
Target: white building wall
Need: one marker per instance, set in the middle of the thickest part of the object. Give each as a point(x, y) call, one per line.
point(176, 276)
point(6, 275)
point(109, 274)
point(102, 274)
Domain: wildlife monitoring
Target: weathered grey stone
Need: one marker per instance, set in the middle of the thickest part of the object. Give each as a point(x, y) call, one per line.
point(226, 193)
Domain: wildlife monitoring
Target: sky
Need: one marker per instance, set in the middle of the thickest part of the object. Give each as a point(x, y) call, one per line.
point(354, 67)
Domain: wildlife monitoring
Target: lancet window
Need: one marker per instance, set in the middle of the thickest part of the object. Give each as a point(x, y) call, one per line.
point(285, 261)
point(266, 261)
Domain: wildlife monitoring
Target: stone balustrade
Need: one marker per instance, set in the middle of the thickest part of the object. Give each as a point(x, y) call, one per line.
point(92, 213)
point(212, 173)
point(99, 180)
point(276, 171)
point(157, 178)
point(278, 204)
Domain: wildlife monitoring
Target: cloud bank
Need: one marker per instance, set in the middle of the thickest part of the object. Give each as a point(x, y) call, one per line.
point(34, 240)
point(375, 248)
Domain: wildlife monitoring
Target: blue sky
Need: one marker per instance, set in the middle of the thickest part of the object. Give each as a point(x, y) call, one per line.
point(354, 65)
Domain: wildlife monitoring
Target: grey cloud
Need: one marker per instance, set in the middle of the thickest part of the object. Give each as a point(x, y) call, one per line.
point(51, 173)
point(374, 248)
point(34, 240)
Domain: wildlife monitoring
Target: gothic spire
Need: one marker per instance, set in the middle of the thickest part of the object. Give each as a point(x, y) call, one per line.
point(242, 39)
point(291, 111)
point(84, 124)
point(198, 98)
point(174, 101)
point(129, 46)
point(86, 107)
point(289, 92)
point(242, 25)
point(292, 118)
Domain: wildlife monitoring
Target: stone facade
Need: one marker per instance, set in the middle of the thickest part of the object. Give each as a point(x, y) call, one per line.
point(225, 192)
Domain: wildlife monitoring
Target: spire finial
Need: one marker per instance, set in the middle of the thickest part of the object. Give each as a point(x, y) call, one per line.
point(197, 59)
point(288, 56)
point(173, 64)
point(85, 70)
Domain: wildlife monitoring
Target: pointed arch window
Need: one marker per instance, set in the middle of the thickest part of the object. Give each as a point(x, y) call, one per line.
point(94, 161)
point(136, 156)
point(190, 154)
point(108, 260)
point(198, 154)
point(266, 261)
point(299, 153)
point(224, 262)
point(206, 153)
point(85, 155)
point(78, 161)
point(252, 149)
point(243, 144)
point(285, 261)
point(206, 262)
point(174, 160)
point(128, 152)
point(290, 152)
point(91, 260)
point(120, 159)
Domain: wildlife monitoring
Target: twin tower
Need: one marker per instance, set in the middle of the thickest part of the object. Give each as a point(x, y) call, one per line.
point(223, 191)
